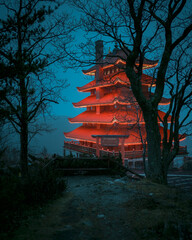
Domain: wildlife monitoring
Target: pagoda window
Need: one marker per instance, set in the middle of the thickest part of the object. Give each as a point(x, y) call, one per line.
point(93, 108)
point(104, 90)
point(97, 109)
point(93, 92)
point(97, 93)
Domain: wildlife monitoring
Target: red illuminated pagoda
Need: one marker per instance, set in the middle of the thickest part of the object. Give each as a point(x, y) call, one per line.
point(112, 121)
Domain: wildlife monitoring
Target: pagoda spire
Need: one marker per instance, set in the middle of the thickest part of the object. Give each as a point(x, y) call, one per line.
point(99, 60)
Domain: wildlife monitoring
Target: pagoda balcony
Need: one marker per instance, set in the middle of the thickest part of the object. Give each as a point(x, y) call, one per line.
point(76, 146)
point(131, 154)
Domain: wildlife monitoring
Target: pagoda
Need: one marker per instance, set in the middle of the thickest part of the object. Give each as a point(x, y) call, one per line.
point(112, 121)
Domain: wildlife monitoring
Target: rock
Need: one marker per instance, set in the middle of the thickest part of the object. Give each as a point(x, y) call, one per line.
point(144, 211)
point(110, 182)
point(94, 209)
point(68, 227)
point(119, 181)
point(87, 223)
point(125, 178)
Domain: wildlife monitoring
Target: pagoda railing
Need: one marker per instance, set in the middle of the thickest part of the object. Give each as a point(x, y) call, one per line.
point(182, 150)
point(76, 146)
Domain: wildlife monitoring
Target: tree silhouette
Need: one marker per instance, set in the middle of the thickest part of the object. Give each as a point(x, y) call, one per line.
point(143, 28)
point(30, 32)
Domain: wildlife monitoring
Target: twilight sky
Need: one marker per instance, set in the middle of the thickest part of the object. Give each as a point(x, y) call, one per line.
point(75, 79)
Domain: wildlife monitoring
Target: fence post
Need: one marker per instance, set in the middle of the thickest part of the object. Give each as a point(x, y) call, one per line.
point(97, 147)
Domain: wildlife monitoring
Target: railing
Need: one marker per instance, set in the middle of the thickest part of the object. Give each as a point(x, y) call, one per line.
point(75, 146)
point(182, 150)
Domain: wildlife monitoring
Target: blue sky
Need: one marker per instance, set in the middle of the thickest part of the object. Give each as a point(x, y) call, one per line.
point(75, 79)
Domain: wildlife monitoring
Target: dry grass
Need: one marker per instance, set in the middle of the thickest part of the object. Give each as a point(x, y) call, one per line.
point(159, 212)
point(153, 212)
point(43, 225)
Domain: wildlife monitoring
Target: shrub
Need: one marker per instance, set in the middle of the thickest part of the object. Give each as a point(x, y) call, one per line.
point(18, 195)
point(11, 201)
point(42, 186)
point(113, 165)
point(187, 165)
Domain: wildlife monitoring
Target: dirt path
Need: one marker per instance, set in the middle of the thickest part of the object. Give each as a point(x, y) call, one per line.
point(93, 208)
point(112, 208)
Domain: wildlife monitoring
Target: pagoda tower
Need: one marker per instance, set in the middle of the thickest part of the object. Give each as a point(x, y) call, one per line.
point(112, 121)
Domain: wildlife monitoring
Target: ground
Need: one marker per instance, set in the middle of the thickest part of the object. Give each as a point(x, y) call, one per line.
point(105, 207)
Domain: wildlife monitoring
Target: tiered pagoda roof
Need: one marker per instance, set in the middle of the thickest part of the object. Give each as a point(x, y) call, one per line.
point(118, 58)
point(111, 99)
point(114, 116)
point(116, 78)
point(85, 133)
point(110, 107)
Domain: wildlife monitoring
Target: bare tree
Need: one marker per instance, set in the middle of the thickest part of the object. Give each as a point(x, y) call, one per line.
point(29, 32)
point(144, 28)
point(179, 81)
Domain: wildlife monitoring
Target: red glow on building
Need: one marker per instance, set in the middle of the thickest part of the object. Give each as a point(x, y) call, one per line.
point(111, 110)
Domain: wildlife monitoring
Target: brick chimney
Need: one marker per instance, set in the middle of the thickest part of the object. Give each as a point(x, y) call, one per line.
point(99, 60)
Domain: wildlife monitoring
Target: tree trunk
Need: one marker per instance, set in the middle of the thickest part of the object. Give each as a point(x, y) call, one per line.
point(168, 156)
point(24, 130)
point(24, 150)
point(154, 168)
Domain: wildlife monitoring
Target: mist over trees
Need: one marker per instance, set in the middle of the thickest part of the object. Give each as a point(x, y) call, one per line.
point(30, 31)
point(155, 29)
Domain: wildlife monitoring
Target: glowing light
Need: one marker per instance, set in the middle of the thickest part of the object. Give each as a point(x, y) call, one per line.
point(113, 120)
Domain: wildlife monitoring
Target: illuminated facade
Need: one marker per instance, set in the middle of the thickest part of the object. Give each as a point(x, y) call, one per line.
point(112, 121)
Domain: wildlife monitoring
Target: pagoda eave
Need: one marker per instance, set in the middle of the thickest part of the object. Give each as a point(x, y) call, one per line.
point(87, 102)
point(130, 117)
point(76, 105)
point(85, 134)
point(114, 79)
point(101, 84)
point(91, 71)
